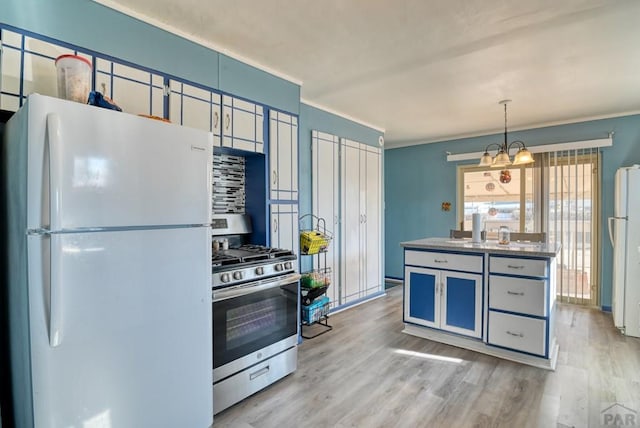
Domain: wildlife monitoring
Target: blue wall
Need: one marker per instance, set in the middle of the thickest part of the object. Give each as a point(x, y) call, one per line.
point(418, 179)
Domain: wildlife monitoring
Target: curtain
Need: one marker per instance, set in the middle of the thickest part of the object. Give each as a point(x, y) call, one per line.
point(569, 187)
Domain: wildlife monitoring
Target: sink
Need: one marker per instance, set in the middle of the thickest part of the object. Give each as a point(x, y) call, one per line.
point(523, 244)
point(459, 241)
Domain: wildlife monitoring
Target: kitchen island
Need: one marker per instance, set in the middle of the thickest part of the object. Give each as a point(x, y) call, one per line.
point(490, 298)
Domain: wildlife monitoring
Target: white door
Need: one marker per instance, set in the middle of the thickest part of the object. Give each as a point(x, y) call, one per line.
point(129, 313)
point(284, 227)
point(372, 220)
point(325, 202)
point(352, 221)
point(109, 169)
point(283, 156)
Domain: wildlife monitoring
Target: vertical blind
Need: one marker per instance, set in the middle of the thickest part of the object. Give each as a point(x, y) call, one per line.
point(570, 187)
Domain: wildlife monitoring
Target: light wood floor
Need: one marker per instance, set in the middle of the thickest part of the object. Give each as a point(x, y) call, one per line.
point(354, 376)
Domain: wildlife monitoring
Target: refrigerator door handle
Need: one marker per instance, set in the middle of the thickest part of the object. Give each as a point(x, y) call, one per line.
point(55, 299)
point(610, 221)
point(54, 138)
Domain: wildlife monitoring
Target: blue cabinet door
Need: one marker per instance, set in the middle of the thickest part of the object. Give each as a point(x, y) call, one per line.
point(421, 295)
point(462, 303)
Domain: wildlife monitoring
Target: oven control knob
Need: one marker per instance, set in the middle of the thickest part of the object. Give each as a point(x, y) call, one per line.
point(237, 275)
point(259, 270)
point(225, 277)
point(288, 265)
point(278, 267)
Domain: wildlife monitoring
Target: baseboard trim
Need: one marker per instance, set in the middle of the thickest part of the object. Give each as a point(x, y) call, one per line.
point(357, 302)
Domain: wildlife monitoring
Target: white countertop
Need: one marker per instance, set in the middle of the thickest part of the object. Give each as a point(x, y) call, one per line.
point(514, 248)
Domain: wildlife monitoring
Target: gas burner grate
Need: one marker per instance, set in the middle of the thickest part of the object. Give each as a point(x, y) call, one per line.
point(224, 260)
point(272, 253)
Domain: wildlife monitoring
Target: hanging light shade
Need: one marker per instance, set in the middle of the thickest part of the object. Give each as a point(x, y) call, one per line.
point(486, 159)
point(502, 159)
point(523, 157)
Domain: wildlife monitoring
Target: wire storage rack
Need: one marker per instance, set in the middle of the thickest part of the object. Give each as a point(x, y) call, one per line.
point(314, 284)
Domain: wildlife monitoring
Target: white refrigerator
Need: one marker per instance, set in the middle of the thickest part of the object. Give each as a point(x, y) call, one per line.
point(624, 233)
point(109, 268)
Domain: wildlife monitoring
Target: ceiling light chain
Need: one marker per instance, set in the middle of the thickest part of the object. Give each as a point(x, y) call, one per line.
point(523, 156)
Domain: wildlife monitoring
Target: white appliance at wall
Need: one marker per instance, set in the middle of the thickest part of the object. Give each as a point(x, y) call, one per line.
point(624, 233)
point(110, 268)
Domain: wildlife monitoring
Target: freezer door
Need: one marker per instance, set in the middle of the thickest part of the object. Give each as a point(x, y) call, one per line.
point(131, 316)
point(618, 230)
point(92, 167)
point(620, 195)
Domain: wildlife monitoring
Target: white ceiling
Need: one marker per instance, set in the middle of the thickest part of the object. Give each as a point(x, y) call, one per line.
point(430, 70)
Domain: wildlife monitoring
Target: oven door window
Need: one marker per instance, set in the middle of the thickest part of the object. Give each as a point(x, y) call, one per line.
point(248, 323)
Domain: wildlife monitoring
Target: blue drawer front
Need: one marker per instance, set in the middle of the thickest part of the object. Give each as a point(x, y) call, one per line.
point(422, 295)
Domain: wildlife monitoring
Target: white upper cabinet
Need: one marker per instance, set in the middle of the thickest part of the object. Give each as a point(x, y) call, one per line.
point(283, 156)
point(242, 125)
point(134, 90)
point(29, 68)
point(197, 108)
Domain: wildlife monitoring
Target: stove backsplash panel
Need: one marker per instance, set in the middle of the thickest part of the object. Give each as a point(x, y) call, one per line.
point(229, 180)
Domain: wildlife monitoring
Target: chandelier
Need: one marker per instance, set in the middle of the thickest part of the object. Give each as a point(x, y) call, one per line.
point(502, 159)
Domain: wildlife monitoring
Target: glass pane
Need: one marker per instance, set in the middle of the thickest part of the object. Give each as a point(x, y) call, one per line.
point(570, 208)
point(496, 194)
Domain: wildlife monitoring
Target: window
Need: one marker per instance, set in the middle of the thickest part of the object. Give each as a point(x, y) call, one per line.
point(504, 196)
point(559, 195)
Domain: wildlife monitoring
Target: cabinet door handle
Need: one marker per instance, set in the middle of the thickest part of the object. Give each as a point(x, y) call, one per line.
point(227, 119)
point(515, 334)
point(275, 224)
point(335, 219)
point(216, 119)
point(440, 261)
point(515, 293)
point(515, 267)
point(275, 177)
point(365, 217)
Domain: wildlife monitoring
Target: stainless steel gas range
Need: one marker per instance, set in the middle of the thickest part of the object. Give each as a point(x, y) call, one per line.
point(255, 313)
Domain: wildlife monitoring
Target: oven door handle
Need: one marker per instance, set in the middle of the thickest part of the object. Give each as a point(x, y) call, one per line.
point(244, 289)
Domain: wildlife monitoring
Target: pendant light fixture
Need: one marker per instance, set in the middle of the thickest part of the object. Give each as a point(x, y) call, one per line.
point(502, 159)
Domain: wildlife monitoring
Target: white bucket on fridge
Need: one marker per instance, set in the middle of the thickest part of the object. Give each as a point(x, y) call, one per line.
point(74, 78)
